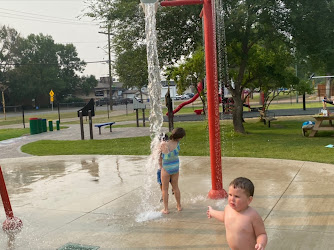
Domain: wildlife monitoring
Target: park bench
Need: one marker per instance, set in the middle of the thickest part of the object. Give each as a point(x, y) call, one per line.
point(267, 117)
point(104, 124)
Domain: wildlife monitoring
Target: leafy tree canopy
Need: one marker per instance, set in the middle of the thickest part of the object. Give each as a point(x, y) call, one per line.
point(32, 66)
point(179, 33)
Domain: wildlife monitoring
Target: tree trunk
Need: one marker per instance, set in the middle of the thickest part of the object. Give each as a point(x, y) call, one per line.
point(237, 113)
point(328, 87)
point(238, 102)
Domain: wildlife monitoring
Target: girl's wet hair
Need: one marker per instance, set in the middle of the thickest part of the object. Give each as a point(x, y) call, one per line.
point(177, 133)
point(245, 184)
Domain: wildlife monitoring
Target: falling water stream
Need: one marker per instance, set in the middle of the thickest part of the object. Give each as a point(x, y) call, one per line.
point(154, 82)
point(222, 63)
point(149, 212)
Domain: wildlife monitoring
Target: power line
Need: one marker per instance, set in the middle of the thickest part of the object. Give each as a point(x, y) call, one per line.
point(41, 18)
point(39, 15)
point(19, 64)
point(44, 20)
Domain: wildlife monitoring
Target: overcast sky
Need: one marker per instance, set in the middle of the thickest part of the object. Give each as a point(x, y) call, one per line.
point(57, 18)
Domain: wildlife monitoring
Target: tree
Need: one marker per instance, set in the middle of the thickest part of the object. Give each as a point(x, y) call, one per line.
point(69, 64)
point(132, 69)
point(255, 35)
point(313, 36)
point(87, 84)
point(311, 23)
point(8, 43)
point(42, 65)
point(127, 24)
point(257, 31)
point(190, 72)
point(36, 70)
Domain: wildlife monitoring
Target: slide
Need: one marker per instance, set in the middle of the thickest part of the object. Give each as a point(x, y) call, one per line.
point(199, 89)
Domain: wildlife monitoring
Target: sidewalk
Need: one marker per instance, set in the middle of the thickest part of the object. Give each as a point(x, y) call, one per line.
point(12, 148)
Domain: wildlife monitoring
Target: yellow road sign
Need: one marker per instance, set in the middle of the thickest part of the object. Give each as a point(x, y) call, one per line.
point(51, 98)
point(51, 93)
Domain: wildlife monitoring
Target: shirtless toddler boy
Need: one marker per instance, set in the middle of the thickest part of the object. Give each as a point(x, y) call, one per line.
point(244, 226)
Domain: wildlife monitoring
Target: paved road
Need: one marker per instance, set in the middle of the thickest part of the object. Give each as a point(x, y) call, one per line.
point(252, 114)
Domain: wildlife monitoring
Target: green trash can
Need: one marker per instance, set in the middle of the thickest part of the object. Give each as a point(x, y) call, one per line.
point(50, 125)
point(40, 125)
point(44, 126)
point(33, 122)
point(57, 123)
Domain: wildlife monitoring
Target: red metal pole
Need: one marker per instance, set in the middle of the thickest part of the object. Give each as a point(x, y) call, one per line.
point(11, 222)
point(217, 191)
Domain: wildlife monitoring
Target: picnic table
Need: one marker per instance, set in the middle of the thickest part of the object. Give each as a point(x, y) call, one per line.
point(319, 125)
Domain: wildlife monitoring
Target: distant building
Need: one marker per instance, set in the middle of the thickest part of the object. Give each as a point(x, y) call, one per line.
point(172, 89)
point(129, 93)
point(103, 88)
point(118, 92)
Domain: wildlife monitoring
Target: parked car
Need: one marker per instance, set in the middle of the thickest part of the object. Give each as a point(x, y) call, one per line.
point(178, 97)
point(126, 100)
point(187, 96)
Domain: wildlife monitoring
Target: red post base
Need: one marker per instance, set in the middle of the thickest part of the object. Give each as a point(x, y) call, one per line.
point(217, 194)
point(12, 224)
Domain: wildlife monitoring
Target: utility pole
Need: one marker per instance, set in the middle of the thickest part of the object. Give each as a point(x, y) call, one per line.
point(109, 61)
point(110, 76)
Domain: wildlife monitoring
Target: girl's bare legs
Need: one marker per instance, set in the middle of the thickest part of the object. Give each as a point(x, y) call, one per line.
point(177, 193)
point(165, 177)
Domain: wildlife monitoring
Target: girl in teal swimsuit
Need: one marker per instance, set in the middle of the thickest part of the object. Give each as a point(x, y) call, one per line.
point(170, 167)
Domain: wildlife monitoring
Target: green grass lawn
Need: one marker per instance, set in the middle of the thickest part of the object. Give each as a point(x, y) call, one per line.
point(6, 134)
point(283, 140)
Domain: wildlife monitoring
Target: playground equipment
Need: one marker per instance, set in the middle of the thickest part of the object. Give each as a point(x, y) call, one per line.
point(199, 90)
point(11, 223)
point(136, 106)
point(217, 190)
point(87, 110)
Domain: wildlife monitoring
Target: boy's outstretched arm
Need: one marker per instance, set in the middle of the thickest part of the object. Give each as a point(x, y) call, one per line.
point(219, 215)
point(260, 232)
